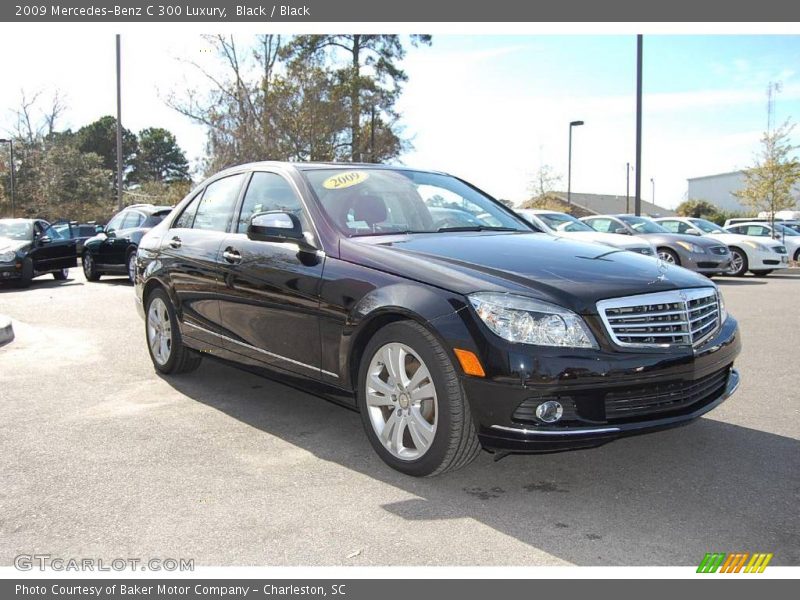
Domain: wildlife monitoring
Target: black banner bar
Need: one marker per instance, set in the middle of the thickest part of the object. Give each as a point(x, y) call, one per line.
point(371, 11)
point(392, 589)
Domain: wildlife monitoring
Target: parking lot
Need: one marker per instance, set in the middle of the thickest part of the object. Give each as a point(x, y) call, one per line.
point(103, 458)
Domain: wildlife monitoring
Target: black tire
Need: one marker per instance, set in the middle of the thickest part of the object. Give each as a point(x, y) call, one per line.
point(27, 273)
point(762, 273)
point(89, 268)
point(61, 275)
point(797, 255)
point(181, 358)
point(671, 253)
point(743, 269)
point(455, 443)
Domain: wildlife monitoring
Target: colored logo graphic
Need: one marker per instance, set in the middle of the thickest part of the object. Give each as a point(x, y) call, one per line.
point(735, 562)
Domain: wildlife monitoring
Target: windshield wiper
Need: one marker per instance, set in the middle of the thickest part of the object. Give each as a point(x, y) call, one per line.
point(477, 228)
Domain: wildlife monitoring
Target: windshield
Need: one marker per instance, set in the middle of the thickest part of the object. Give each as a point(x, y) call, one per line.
point(385, 202)
point(16, 230)
point(562, 222)
point(784, 230)
point(707, 226)
point(642, 225)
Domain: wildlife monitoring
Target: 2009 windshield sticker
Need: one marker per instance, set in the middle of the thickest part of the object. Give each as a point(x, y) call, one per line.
point(345, 180)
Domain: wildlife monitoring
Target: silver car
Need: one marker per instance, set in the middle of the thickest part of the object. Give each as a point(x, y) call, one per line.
point(706, 256)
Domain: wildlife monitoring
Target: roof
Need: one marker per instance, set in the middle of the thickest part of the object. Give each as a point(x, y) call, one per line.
point(726, 173)
point(605, 204)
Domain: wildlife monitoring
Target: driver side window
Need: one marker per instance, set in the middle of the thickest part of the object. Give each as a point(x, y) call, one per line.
point(671, 226)
point(115, 223)
point(602, 225)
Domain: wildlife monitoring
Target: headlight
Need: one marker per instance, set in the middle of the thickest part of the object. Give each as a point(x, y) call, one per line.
point(723, 313)
point(694, 248)
point(756, 246)
point(7, 256)
point(527, 321)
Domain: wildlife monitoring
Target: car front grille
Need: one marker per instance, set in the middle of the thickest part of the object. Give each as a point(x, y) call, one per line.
point(664, 397)
point(674, 318)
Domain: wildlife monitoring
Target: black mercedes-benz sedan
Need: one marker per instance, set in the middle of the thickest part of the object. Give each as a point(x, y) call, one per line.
point(447, 333)
point(113, 250)
point(33, 247)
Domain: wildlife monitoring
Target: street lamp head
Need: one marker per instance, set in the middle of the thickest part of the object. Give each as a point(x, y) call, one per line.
point(575, 123)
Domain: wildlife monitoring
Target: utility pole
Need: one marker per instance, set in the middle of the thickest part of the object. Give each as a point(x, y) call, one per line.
point(119, 129)
point(569, 163)
point(639, 50)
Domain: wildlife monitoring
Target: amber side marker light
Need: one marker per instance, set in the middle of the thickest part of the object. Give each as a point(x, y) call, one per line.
point(469, 362)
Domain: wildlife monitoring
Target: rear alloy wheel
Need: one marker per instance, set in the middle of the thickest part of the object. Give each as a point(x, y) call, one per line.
point(61, 275)
point(413, 408)
point(132, 266)
point(164, 341)
point(89, 268)
point(669, 256)
point(738, 263)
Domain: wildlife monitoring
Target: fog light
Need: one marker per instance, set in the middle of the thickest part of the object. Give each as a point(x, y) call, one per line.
point(549, 412)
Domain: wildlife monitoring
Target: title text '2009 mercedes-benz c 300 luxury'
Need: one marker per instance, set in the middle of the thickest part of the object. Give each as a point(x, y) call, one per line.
point(434, 310)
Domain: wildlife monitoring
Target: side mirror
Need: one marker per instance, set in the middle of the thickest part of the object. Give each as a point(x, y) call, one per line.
point(275, 226)
point(621, 231)
point(693, 232)
point(44, 239)
point(110, 233)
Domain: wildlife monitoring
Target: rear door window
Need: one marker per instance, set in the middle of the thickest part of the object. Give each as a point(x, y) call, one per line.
point(215, 209)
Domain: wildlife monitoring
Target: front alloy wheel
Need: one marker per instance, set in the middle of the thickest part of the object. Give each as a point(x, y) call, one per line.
point(413, 406)
point(401, 401)
point(668, 256)
point(738, 263)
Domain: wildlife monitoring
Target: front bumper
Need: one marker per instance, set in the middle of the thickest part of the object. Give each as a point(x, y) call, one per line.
point(768, 261)
point(522, 439)
point(9, 271)
point(605, 393)
point(706, 263)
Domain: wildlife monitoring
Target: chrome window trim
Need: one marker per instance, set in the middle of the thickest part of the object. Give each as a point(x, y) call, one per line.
point(266, 352)
point(683, 296)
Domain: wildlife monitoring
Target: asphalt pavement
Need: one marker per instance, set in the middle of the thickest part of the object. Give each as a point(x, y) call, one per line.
point(101, 457)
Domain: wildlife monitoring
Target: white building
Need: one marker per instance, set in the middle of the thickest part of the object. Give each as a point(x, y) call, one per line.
point(718, 189)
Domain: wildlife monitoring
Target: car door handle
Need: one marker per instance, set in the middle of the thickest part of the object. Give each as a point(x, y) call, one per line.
point(175, 242)
point(232, 256)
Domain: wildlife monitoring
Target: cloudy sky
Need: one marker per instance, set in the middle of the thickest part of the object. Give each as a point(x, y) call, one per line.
point(487, 108)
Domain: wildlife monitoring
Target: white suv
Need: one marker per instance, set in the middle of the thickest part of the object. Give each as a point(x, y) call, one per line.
point(564, 225)
point(758, 255)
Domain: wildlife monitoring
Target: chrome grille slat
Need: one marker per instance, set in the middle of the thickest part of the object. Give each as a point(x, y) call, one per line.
point(674, 318)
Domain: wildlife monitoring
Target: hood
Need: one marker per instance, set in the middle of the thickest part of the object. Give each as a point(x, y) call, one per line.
point(572, 274)
point(613, 239)
point(9, 245)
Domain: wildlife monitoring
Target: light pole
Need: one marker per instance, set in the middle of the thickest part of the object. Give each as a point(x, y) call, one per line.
point(569, 162)
point(119, 127)
point(653, 184)
point(10, 143)
point(627, 187)
point(639, 62)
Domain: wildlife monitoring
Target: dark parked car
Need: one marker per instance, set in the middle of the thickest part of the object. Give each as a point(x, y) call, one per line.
point(80, 232)
point(112, 251)
point(32, 247)
point(445, 337)
point(707, 256)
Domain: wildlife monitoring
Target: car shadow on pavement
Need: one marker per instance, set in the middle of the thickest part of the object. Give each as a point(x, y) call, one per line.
point(661, 499)
point(39, 284)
